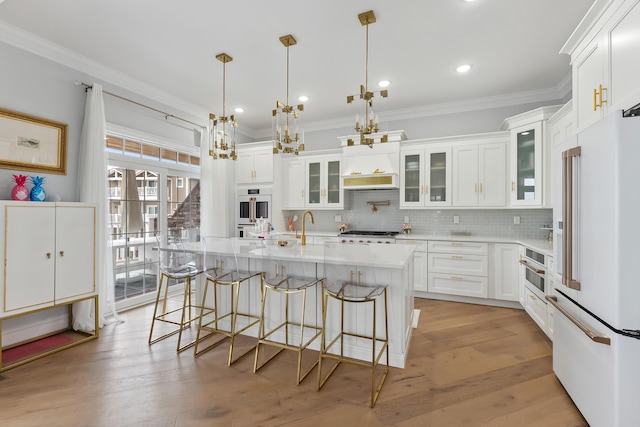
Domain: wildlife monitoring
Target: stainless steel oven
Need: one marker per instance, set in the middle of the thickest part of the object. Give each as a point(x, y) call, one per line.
point(535, 271)
point(251, 205)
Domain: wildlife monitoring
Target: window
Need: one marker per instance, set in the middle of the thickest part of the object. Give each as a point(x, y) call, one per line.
point(140, 209)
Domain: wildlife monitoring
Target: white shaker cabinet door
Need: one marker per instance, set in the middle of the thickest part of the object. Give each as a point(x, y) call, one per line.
point(75, 252)
point(29, 257)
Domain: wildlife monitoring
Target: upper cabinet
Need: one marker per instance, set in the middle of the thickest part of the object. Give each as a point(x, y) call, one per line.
point(425, 177)
point(479, 175)
point(324, 183)
point(530, 159)
point(313, 182)
point(294, 183)
point(605, 62)
point(254, 164)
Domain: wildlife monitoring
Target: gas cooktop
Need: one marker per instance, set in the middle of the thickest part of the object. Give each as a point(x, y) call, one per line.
point(369, 233)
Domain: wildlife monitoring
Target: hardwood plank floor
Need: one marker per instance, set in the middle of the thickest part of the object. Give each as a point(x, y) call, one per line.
point(468, 365)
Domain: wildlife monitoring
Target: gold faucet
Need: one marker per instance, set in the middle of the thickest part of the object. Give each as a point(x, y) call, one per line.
point(303, 240)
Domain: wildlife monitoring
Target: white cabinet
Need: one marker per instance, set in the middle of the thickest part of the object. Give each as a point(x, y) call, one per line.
point(323, 187)
point(420, 263)
point(504, 271)
point(535, 308)
point(254, 164)
point(530, 160)
point(294, 183)
point(479, 175)
point(49, 255)
point(458, 268)
point(605, 63)
point(425, 177)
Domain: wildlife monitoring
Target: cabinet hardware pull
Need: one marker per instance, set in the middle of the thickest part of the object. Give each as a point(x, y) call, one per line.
point(533, 298)
point(456, 278)
point(475, 187)
point(481, 187)
point(48, 255)
point(61, 253)
point(513, 186)
point(553, 300)
point(456, 243)
point(595, 99)
point(426, 189)
point(457, 257)
point(602, 101)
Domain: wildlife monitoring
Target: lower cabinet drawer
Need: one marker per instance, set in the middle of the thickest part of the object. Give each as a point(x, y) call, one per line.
point(453, 284)
point(475, 265)
point(536, 308)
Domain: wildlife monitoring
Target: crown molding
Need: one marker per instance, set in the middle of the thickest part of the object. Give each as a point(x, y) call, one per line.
point(38, 46)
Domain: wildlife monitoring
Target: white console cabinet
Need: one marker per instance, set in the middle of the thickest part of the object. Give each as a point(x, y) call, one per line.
point(49, 257)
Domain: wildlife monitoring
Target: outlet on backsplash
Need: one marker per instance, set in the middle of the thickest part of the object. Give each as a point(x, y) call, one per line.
point(516, 220)
point(406, 219)
point(456, 219)
point(337, 218)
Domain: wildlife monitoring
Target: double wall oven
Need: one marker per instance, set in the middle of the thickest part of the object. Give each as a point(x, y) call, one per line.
point(252, 204)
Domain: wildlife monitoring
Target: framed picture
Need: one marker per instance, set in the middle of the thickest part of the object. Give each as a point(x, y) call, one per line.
point(32, 143)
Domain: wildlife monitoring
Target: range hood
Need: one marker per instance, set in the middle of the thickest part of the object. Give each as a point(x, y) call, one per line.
point(376, 167)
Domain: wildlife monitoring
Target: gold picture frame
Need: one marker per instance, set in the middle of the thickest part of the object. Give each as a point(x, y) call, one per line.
point(31, 143)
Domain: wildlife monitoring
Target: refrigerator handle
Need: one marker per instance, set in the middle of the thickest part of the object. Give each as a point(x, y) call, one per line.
point(567, 217)
point(602, 339)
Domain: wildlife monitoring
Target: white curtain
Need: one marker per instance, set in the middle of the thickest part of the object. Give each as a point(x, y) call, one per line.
point(92, 188)
point(214, 191)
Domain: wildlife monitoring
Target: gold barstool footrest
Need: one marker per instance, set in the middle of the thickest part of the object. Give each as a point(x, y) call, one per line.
point(376, 386)
point(287, 325)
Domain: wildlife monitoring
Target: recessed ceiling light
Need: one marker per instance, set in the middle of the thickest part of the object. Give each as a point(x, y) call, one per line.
point(384, 83)
point(463, 68)
point(303, 98)
point(239, 110)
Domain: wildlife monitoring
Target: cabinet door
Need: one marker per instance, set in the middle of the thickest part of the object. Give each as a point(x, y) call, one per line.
point(465, 175)
point(437, 182)
point(244, 167)
point(29, 257)
point(75, 252)
point(293, 192)
point(526, 165)
point(588, 75)
point(624, 61)
point(492, 174)
point(411, 178)
point(504, 277)
point(263, 165)
point(314, 183)
point(333, 184)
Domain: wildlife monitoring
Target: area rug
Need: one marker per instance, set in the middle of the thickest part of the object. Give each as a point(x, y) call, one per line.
point(416, 317)
point(32, 348)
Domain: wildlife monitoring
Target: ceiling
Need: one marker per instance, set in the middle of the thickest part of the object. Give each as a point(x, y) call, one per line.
point(165, 50)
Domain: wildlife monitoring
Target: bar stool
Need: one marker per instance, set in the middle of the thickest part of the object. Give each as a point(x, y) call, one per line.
point(225, 272)
point(286, 276)
point(353, 287)
point(178, 265)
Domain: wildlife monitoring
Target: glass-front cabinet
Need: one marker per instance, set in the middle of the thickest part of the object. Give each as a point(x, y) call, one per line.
point(425, 177)
point(526, 165)
point(323, 184)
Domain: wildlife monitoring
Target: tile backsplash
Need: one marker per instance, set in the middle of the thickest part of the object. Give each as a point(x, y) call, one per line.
point(479, 222)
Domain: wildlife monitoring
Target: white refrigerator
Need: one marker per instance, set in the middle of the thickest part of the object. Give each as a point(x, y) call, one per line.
point(596, 341)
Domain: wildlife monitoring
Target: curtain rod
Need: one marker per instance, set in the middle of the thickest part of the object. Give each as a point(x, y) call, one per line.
point(166, 115)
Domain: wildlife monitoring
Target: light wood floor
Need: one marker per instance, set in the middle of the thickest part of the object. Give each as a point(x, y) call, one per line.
point(468, 365)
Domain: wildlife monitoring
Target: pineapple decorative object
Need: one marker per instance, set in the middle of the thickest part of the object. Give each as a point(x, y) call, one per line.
point(37, 192)
point(19, 191)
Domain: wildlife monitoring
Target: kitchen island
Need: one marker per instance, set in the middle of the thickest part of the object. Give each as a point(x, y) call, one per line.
point(381, 264)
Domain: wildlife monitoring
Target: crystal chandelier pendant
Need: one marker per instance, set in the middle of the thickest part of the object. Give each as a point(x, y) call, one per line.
point(223, 130)
point(287, 137)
